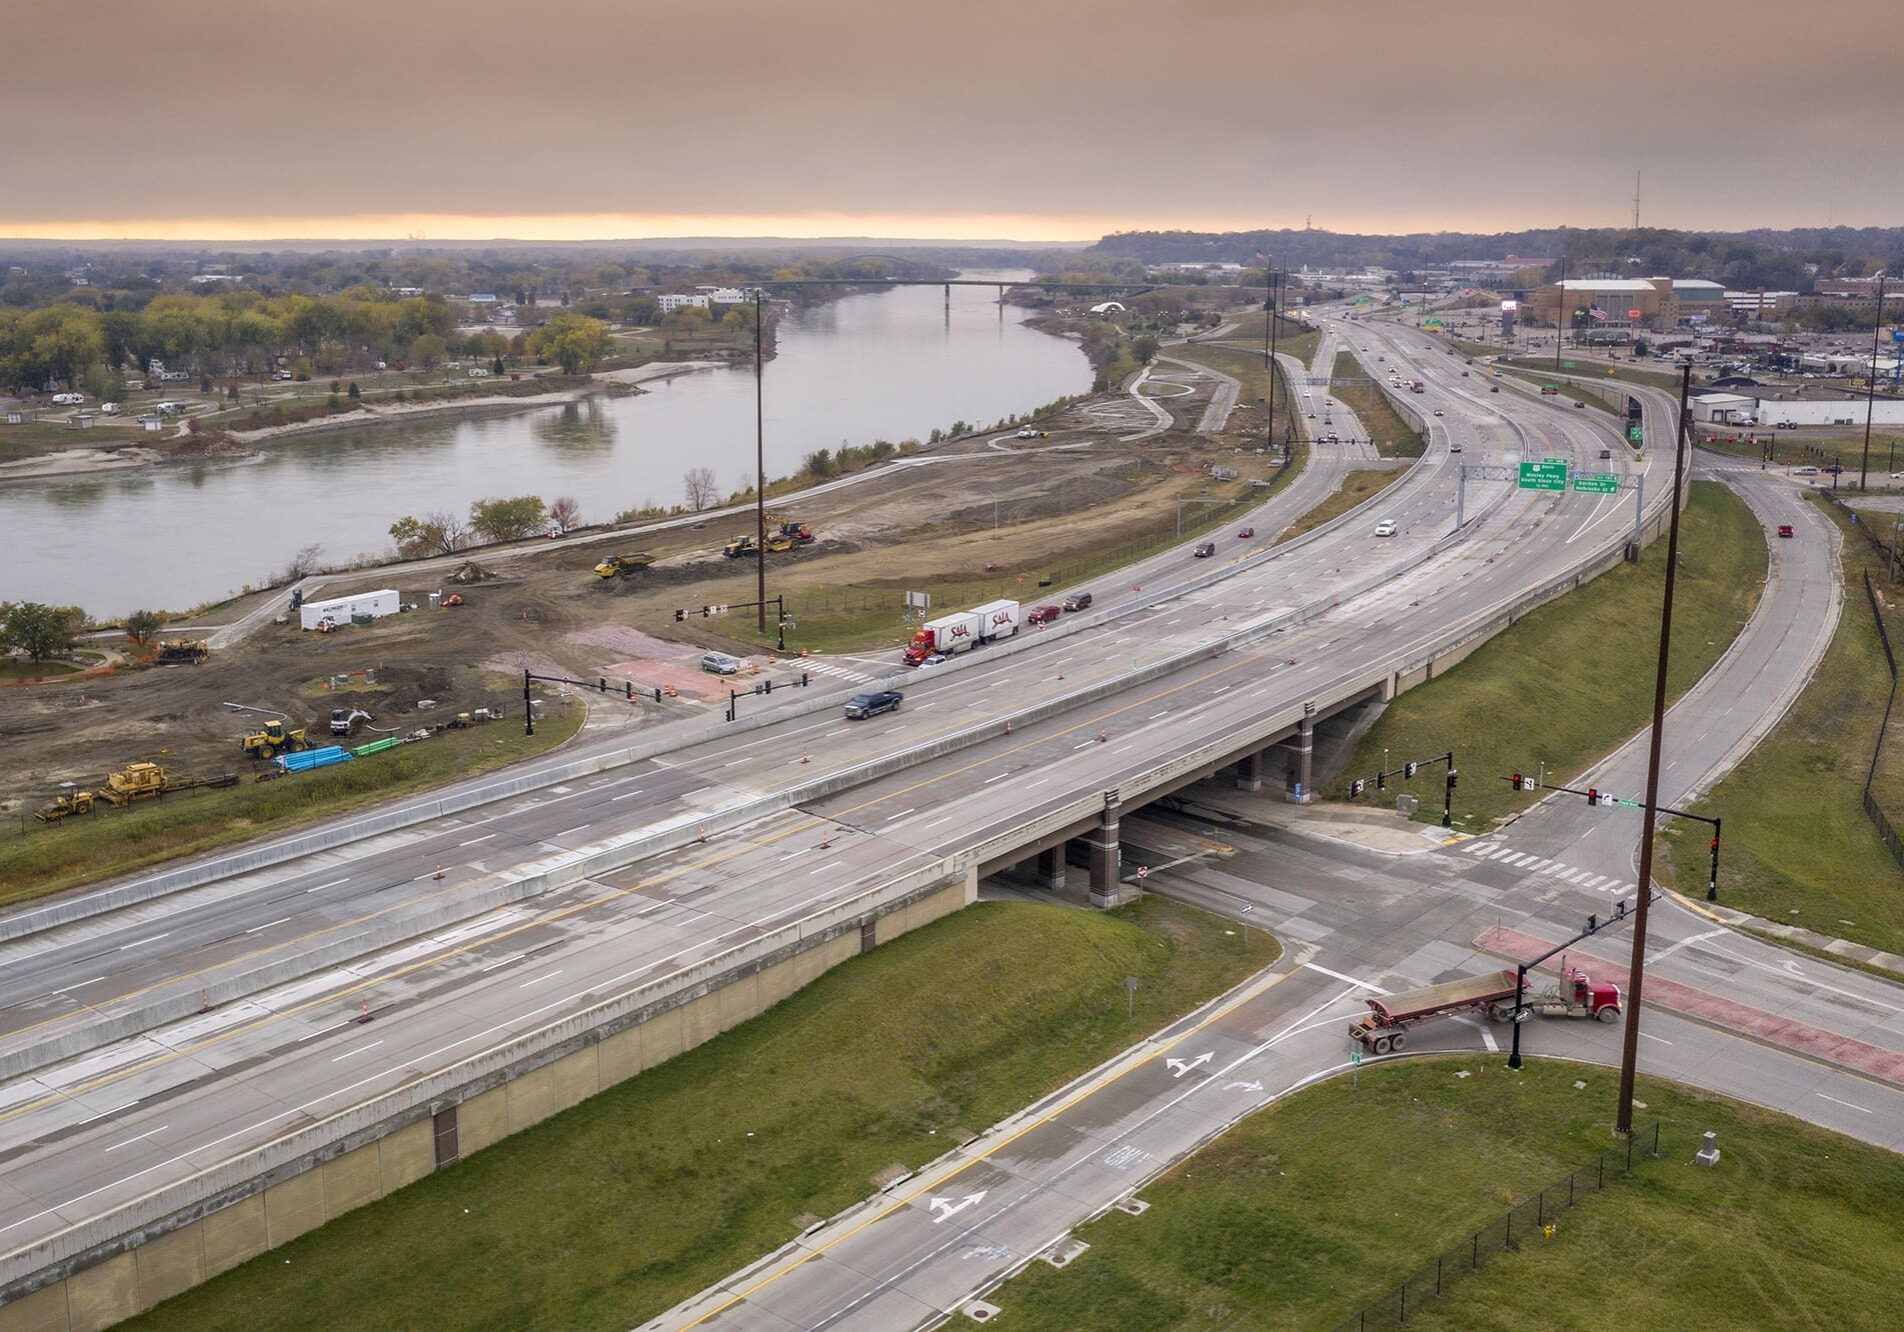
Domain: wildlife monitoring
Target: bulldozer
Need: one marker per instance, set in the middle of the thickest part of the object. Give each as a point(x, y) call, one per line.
point(739, 546)
point(623, 565)
point(182, 651)
point(273, 740)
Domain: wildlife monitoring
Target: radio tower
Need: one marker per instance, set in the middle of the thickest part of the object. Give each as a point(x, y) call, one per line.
point(1636, 201)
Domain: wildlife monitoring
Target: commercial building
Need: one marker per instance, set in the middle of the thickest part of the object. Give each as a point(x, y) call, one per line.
point(1604, 303)
point(670, 301)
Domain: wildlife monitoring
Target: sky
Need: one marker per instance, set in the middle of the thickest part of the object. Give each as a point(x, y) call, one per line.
point(1037, 120)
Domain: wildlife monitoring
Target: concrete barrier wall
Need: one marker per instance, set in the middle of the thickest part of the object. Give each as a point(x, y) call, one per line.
point(185, 1233)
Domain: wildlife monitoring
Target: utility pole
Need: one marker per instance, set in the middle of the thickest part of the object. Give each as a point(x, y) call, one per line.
point(1269, 346)
point(1871, 383)
point(760, 468)
point(1629, 1057)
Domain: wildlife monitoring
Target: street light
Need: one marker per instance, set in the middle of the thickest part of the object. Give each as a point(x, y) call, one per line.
point(1871, 383)
point(760, 471)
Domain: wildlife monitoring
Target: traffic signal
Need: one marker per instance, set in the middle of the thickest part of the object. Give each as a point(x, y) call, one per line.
point(1593, 795)
point(629, 687)
point(680, 615)
point(601, 684)
point(1517, 780)
point(1715, 846)
point(1452, 774)
point(1381, 781)
point(1355, 789)
point(1408, 771)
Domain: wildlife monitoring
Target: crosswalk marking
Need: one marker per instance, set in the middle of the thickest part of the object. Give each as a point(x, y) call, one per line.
point(833, 668)
point(1573, 876)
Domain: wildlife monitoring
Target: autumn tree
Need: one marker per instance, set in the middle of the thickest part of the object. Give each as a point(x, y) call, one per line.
point(575, 342)
point(565, 514)
point(440, 533)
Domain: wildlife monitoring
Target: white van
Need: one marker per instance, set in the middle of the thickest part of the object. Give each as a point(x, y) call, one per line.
point(109, 409)
point(720, 663)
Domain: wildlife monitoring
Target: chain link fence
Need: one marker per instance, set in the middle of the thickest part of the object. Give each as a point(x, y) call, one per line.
point(1530, 1222)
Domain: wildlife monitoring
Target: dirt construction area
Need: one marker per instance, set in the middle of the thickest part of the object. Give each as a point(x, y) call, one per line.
point(986, 516)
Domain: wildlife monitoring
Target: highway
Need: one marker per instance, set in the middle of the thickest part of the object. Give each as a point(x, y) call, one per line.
point(1724, 1011)
point(119, 1084)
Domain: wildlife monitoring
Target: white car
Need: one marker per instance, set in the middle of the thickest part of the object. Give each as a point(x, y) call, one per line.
point(1437, 411)
point(1385, 528)
point(1026, 432)
point(1804, 471)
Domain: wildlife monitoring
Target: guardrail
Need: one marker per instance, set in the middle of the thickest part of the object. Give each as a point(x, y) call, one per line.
point(340, 1132)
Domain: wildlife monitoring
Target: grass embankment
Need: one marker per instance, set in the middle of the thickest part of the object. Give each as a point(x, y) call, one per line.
point(39, 859)
point(16, 668)
point(621, 1207)
point(1357, 487)
point(1246, 367)
point(1576, 365)
point(1393, 436)
point(1313, 1209)
point(1788, 448)
point(1798, 847)
point(1573, 679)
point(1291, 340)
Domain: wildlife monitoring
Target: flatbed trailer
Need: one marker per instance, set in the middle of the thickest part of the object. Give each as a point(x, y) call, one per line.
point(1390, 1015)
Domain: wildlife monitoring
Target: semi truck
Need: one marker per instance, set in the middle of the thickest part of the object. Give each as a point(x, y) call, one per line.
point(946, 635)
point(964, 629)
point(1492, 993)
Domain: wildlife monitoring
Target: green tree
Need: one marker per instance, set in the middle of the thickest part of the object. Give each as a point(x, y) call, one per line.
point(355, 393)
point(1143, 348)
point(59, 343)
point(820, 463)
point(573, 341)
point(39, 630)
point(507, 519)
point(142, 624)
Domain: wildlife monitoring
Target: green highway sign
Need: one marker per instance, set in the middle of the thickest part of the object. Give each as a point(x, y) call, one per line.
point(1552, 459)
point(1635, 434)
point(1629, 804)
point(1596, 483)
point(1543, 476)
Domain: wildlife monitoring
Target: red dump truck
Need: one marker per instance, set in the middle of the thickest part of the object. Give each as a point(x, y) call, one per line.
point(1390, 1015)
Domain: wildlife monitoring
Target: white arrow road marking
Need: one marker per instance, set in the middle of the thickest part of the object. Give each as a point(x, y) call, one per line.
point(1183, 1066)
point(1685, 942)
point(1243, 1086)
point(946, 1207)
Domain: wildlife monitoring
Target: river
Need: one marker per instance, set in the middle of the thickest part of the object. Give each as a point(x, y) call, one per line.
point(880, 365)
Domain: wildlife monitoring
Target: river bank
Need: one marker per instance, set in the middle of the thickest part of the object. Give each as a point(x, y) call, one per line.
point(180, 445)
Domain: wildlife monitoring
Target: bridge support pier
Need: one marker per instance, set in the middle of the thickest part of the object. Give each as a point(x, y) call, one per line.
point(1249, 772)
point(1107, 859)
point(1301, 789)
point(1051, 869)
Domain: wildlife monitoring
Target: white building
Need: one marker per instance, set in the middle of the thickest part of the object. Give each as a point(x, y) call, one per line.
point(674, 300)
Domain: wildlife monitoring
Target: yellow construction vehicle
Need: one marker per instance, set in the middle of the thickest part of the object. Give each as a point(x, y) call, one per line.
point(272, 741)
point(792, 528)
point(69, 802)
point(739, 546)
point(182, 650)
point(778, 542)
point(135, 781)
point(623, 565)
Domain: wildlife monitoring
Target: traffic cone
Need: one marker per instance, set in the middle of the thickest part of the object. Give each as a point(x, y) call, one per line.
point(439, 869)
point(1008, 726)
point(1100, 735)
point(366, 1013)
point(826, 839)
point(700, 832)
point(803, 753)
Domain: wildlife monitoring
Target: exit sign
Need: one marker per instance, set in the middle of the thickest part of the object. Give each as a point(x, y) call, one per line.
point(1543, 476)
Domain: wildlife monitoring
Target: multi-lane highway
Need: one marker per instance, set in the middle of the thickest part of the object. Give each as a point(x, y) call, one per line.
point(118, 1084)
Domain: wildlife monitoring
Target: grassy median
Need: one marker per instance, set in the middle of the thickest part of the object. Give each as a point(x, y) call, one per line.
point(1573, 679)
point(620, 1208)
point(1798, 847)
point(1303, 1215)
point(1393, 436)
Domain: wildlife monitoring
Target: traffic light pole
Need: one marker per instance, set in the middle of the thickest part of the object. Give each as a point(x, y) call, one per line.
point(780, 615)
point(600, 683)
point(1407, 772)
point(1595, 796)
point(1520, 1010)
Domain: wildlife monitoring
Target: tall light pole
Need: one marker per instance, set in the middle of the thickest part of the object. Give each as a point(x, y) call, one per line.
point(760, 469)
point(1629, 1057)
point(1871, 383)
point(1269, 347)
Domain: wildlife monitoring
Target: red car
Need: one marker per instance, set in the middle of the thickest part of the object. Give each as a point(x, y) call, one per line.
point(1042, 614)
point(1246, 532)
point(1784, 529)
